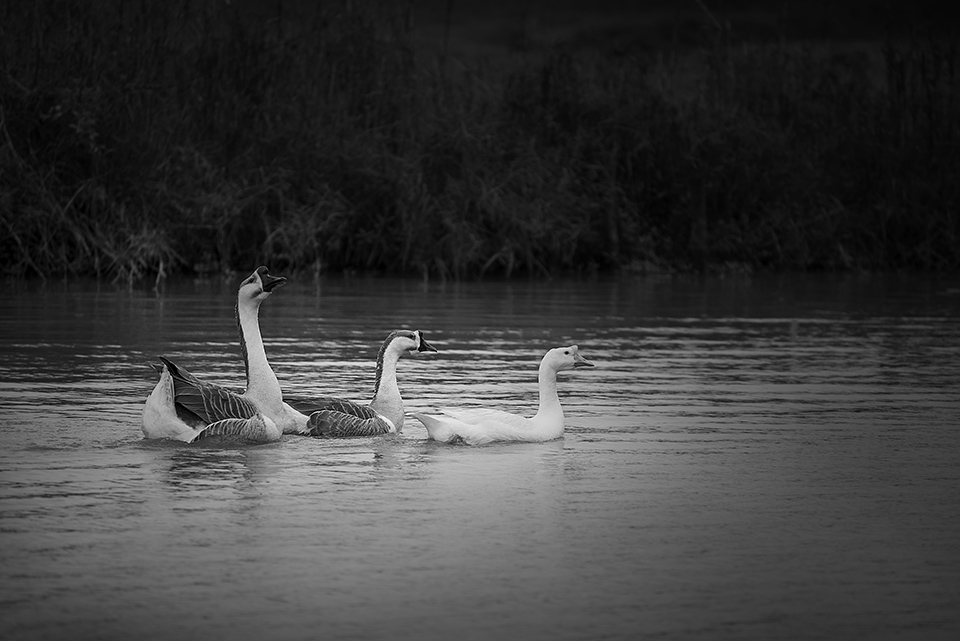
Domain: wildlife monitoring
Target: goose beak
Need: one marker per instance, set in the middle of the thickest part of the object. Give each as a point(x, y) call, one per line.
point(425, 346)
point(268, 282)
point(580, 361)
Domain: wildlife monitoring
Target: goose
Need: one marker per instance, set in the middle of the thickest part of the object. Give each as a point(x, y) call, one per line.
point(337, 417)
point(164, 417)
point(479, 426)
point(183, 408)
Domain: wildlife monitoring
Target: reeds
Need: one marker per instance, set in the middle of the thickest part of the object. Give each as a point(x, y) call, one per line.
point(145, 138)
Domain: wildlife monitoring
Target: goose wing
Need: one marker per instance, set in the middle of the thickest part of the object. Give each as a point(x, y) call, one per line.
point(309, 406)
point(448, 429)
point(205, 403)
point(243, 430)
point(333, 417)
point(496, 426)
point(351, 420)
point(482, 426)
point(485, 416)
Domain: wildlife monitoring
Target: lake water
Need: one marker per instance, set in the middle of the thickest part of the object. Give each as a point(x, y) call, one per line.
point(751, 458)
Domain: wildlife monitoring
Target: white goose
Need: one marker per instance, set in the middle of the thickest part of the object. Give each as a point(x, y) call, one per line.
point(479, 426)
point(336, 417)
point(183, 408)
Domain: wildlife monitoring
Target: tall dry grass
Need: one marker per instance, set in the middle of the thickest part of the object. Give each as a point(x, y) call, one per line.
point(146, 138)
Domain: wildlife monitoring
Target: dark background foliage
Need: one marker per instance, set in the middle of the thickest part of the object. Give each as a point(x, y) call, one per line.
point(464, 140)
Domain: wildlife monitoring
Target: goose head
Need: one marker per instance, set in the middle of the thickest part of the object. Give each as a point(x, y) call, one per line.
point(258, 286)
point(561, 358)
point(410, 342)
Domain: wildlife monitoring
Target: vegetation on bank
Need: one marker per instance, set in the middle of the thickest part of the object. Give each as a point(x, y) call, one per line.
point(145, 138)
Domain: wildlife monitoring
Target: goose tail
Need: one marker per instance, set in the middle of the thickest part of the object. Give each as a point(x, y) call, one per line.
point(438, 429)
point(178, 373)
point(159, 418)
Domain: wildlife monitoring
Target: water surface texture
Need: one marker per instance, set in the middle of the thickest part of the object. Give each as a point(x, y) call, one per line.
point(751, 458)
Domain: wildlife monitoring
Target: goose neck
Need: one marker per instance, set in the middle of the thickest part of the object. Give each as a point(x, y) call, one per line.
point(549, 400)
point(262, 384)
point(386, 392)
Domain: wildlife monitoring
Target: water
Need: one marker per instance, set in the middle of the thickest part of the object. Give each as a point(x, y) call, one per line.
point(766, 458)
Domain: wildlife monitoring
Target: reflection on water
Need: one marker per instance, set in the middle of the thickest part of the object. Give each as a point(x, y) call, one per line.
point(751, 458)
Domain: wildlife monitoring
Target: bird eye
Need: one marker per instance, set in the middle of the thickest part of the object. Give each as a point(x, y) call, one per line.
point(567, 352)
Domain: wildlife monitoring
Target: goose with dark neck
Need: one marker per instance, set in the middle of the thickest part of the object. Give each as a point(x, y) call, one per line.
point(184, 408)
point(336, 417)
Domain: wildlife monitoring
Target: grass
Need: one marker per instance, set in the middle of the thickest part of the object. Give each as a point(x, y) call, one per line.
point(141, 139)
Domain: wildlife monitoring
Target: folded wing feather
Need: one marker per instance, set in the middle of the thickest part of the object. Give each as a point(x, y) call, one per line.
point(243, 430)
point(309, 406)
point(335, 423)
point(337, 417)
point(480, 415)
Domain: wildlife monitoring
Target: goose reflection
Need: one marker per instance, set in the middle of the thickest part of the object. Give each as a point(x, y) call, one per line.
point(204, 469)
